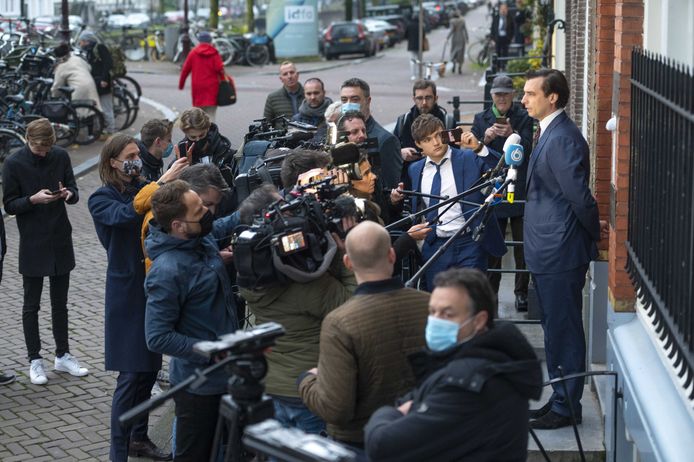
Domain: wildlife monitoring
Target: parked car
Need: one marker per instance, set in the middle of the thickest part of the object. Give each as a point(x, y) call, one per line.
point(438, 8)
point(348, 37)
point(385, 33)
point(398, 21)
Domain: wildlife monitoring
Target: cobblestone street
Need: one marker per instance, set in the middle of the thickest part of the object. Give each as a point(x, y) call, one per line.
point(69, 418)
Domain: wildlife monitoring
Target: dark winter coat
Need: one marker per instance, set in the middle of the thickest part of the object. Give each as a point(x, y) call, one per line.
point(118, 228)
point(412, 35)
point(102, 63)
point(389, 154)
point(45, 233)
point(207, 68)
point(189, 299)
point(279, 103)
point(522, 124)
point(214, 148)
point(471, 403)
point(152, 167)
point(3, 245)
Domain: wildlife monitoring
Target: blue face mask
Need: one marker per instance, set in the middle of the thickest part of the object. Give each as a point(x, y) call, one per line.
point(349, 107)
point(167, 152)
point(442, 334)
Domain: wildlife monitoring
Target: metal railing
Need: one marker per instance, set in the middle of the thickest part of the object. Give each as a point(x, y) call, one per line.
point(660, 243)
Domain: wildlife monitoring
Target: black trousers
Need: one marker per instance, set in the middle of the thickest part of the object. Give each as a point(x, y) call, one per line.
point(521, 279)
point(132, 388)
point(196, 421)
point(33, 286)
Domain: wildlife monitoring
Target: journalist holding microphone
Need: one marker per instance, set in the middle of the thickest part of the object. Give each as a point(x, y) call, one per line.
point(446, 171)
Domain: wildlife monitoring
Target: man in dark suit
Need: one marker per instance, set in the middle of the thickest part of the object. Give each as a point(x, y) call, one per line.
point(445, 171)
point(355, 95)
point(503, 30)
point(561, 229)
point(494, 126)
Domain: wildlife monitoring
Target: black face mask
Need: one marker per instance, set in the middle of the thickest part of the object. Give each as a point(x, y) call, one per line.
point(206, 224)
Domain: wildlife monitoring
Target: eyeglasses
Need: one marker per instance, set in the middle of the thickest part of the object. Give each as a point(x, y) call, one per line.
point(424, 98)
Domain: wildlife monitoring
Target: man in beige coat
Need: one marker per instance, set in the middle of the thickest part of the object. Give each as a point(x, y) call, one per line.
point(364, 343)
point(74, 72)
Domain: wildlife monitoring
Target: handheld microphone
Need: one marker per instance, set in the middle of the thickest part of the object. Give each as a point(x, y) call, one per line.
point(513, 157)
point(514, 138)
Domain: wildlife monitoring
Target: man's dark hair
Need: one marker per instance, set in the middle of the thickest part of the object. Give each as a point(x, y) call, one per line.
point(201, 177)
point(477, 286)
point(423, 84)
point(153, 129)
point(316, 79)
point(258, 200)
point(357, 82)
point(300, 161)
point(347, 116)
point(553, 81)
point(168, 204)
point(425, 125)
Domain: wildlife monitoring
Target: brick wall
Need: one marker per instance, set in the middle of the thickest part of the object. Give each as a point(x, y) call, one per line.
point(628, 32)
point(575, 53)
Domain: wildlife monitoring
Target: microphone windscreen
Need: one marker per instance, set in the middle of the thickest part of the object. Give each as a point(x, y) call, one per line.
point(513, 155)
point(514, 138)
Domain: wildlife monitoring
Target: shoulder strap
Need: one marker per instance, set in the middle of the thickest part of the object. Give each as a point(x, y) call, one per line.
point(401, 124)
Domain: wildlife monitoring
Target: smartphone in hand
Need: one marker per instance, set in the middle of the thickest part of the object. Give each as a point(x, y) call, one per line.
point(502, 120)
point(452, 136)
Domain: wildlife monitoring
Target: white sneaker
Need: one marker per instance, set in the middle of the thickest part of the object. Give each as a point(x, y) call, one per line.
point(69, 364)
point(36, 372)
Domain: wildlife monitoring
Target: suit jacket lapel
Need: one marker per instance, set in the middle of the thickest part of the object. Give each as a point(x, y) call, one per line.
point(541, 143)
point(418, 168)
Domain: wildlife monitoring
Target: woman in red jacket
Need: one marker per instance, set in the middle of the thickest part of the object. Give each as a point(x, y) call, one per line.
point(207, 68)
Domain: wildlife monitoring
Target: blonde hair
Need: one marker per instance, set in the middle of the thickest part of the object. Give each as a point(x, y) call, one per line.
point(40, 133)
point(194, 119)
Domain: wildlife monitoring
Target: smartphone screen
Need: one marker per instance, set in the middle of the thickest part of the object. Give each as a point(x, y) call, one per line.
point(452, 136)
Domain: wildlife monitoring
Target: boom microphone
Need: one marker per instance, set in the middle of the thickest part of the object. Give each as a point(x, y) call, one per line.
point(513, 157)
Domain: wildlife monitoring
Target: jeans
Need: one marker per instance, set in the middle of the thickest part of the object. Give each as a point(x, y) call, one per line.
point(132, 388)
point(107, 108)
point(196, 422)
point(414, 66)
point(211, 111)
point(297, 416)
point(521, 279)
point(33, 286)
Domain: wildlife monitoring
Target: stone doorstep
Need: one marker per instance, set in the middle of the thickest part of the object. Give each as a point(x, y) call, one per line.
point(160, 429)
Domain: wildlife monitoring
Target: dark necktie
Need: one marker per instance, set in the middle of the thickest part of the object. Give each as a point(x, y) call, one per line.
point(435, 189)
point(536, 136)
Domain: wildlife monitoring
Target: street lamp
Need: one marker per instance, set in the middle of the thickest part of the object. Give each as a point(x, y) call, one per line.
point(185, 38)
point(64, 21)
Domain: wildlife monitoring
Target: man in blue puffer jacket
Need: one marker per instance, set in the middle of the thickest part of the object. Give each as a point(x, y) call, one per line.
point(189, 299)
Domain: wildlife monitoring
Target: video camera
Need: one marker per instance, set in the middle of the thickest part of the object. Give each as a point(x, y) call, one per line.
point(293, 234)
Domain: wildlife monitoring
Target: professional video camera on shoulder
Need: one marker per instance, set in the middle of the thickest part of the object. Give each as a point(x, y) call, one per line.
point(293, 233)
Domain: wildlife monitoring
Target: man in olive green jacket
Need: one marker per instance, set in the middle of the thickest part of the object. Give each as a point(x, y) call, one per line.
point(364, 343)
point(300, 308)
point(287, 100)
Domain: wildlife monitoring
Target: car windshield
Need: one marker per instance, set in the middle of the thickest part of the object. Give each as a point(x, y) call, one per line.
point(344, 30)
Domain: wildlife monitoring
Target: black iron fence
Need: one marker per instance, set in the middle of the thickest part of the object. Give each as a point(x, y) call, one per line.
point(661, 212)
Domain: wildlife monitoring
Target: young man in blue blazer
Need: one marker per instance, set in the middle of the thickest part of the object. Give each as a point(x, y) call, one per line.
point(447, 171)
point(561, 229)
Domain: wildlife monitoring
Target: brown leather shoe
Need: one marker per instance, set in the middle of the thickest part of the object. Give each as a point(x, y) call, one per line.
point(148, 450)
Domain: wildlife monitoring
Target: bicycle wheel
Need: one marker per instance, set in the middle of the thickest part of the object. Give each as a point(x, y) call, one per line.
point(474, 51)
point(130, 84)
point(133, 49)
point(121, 110)
point(133, 108)
point(257, 55)
point(91, 122)
point(238, 51)
point(10, 142)
point(225, 49)
point(64, 119)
